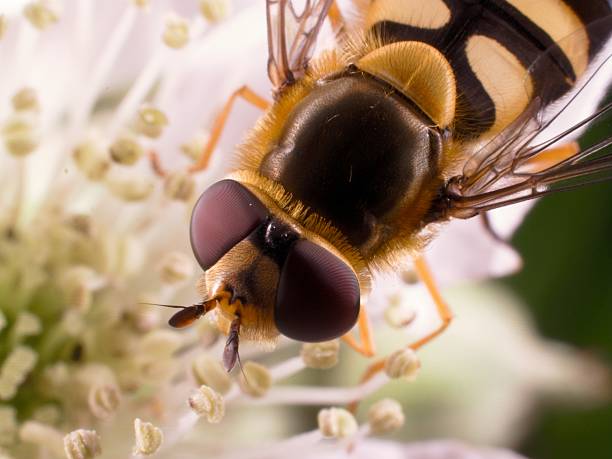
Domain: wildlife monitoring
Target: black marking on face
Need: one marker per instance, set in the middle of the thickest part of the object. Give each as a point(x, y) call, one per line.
point(271, 242)
point(249, 272)
point(274, 238)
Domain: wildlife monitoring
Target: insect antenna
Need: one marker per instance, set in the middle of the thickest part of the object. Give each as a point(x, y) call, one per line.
point(175, 306)
point(187, 314)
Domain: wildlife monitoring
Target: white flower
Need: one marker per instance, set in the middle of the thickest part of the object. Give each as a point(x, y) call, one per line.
point(77, 260)
point(88, 230)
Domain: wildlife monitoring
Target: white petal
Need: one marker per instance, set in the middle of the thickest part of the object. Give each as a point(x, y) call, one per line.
point(13, 7)
point(584, 103)
point(222, 60)
point(437, 449)
point(464, 251)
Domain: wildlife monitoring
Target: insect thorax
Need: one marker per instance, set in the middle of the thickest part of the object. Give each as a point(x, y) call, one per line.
point(357, 153)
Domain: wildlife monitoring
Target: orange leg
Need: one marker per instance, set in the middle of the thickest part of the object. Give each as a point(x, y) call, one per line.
point(552, 156)
point(156, 165)
point(538, 163)
point(442, 308)
point(248, 95)
point(366, 345)
point(336, 19)
point(486, 223)
point(444, 313)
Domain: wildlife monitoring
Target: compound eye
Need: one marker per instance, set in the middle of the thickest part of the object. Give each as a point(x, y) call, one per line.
point(224, 215)
point(318, 295)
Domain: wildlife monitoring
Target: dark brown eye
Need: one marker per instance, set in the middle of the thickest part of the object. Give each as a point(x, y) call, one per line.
point(224, 215)
point(318, 295)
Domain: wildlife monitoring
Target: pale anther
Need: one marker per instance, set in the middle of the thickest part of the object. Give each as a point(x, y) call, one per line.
point(209, 371)
point(103, 400)
point(179, 186)
point(176, 33)
point(141, 3)
point(27, 324)
point(135, 189)
point(208, 403)
point(336, 423)
point(49, 414)
point(2, 25)
point(91, 160)
point(148, 438)
point(20, 136)
point(321, 355)
point(385, 416)
point(82, 444)
point(151, 122)
point(42, 435)
point(403, 363)
point(15, 369)
point(215, 10)
point(399, 315)
point(41, 13)
point(8, 424)
point(24, 100)
point(255, 379)
point(126, 150)
point(78, 282)
point(193, 148)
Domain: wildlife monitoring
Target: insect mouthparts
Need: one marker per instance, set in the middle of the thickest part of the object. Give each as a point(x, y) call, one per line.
point(230, 353)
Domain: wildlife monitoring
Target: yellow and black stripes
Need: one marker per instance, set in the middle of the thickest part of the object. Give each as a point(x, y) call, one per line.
point(594, 15)
point(502, 52)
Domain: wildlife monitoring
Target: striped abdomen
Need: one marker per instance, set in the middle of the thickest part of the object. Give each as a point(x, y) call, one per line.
point(501, 53)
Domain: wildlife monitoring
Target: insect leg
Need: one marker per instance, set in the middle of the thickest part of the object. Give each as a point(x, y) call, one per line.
point(551, 157)
point(486, 223)
point(444, 312)
point(248, 95)
point(156, 164)
point(366, 343)
point(372, 370)
point(336, 19)
point(537, 163)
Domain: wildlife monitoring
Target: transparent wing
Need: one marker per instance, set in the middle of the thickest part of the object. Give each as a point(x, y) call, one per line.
point(514, 166)
point(292, 33)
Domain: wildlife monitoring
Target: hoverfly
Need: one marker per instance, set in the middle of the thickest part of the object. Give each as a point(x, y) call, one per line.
point(427, 110)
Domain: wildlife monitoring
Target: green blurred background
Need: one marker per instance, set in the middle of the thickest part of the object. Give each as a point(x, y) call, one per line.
point(566, 244)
